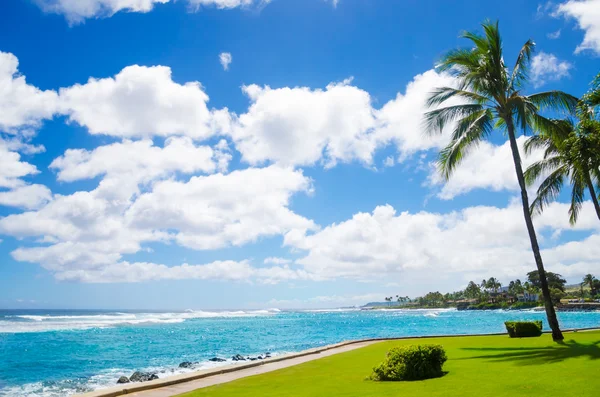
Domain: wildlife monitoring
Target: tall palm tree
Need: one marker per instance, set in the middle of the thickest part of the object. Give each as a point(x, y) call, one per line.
point(589, 280)
point(571, 151)
point(492, 99)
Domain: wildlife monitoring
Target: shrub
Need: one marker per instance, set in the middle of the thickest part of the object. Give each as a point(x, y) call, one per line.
point(415, 362)
point(523, 329)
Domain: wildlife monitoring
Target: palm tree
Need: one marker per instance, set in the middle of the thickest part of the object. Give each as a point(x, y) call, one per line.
point(592, 98)
point(492, 99)
point(571, 151)
point(589, 280)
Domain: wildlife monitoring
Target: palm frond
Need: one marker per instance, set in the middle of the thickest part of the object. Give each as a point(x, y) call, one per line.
point(442, 94)
point(577, 197)
point(542, 167)
point(554, 100)
point(437, 119)
point(548, 190)
point(537, 142)
point(519, 73)
point(468, 133)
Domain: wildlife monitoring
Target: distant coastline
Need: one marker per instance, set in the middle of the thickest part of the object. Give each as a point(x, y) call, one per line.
point(570, 307)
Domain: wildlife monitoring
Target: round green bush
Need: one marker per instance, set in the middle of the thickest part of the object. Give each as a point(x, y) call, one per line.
point(416, 362)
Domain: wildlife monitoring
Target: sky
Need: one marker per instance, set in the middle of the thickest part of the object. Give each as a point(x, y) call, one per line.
point(217, 154)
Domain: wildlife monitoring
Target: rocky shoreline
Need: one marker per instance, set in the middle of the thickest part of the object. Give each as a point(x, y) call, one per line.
point(139, 376)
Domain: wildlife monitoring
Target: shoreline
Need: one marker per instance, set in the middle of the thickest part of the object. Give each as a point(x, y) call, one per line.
point(177, 384)
point(573, 307)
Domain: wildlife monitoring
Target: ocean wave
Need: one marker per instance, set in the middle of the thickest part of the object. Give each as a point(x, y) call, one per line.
point(49, 322)
point(339, 310)
point(105, 379)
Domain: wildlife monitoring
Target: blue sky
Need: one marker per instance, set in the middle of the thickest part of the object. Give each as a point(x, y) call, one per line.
point(140, 171)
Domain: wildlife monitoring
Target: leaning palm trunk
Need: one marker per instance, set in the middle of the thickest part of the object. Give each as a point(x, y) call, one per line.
point(494, 100)
point(590, 186)
point(549, 305)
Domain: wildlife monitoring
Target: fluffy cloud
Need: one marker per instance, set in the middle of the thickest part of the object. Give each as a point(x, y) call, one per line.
point(547, 67)
point(85, 234)
point(400, 121)
point(302, 126)
point(127, 164)
point(27, 196)
point(126, 272)
point(225, 60)
point(489, 167)
point(299, 126)
point(472, 242)
point(227, 4)
point(218, 210)
point(22, 106)
point(76, 11)
point(277, 261)
point(587, 14)
point(14, 191)
point(140, 102)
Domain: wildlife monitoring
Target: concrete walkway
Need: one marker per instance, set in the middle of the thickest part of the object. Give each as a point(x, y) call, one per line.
point(174, 385)
point(228, 377)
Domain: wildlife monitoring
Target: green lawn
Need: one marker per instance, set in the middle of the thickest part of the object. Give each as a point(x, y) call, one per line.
point(494, 366)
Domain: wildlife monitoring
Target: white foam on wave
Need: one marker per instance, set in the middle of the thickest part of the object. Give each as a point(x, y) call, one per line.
point(103, 380)
point(340, 310)
point(42, 323)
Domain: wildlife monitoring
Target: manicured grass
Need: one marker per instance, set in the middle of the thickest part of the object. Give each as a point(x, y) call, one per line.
point(494, 366)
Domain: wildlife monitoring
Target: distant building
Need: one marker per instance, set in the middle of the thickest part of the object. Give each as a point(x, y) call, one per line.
point(527, 297)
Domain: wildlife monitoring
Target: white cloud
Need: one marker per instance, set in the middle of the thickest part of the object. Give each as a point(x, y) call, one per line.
point(225, 59)
point(277, 261)
point(140, 102)
point(554, 35)
point(227, 4)
point(489, 167)
point(22, 106)
point(299, 126)
point(14, 191)
point(587, 14)
point(389, 161)
point(126, 272)
point(219, 210)
point(302, 126)
point(89, 232)
point(473, 243)
point(12, 169)
point(78, 10)
point(127, 164)
point(400, 121)
point(27, 196)
point(547, 67)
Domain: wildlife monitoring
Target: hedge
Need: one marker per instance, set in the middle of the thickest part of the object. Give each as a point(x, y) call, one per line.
point(523, 329)
point(415, 362)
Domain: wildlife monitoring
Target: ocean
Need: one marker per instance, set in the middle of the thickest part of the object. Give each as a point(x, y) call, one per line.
point(46, 353)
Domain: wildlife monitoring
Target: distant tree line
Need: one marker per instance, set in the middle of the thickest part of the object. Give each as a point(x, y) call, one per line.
point(492, 291)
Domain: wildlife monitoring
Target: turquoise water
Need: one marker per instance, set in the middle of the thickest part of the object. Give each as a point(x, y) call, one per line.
point(58, 353)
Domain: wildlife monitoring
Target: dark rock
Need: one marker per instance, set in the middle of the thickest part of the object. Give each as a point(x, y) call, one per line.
point(260, 357)
point(186, 364)
point(123, 379)
point(217, 360)
point(252, 358)
point(142, 376)
point(238, 357)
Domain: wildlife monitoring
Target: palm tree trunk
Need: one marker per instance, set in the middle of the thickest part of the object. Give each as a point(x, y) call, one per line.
point(550, 312)
point(590, 187)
